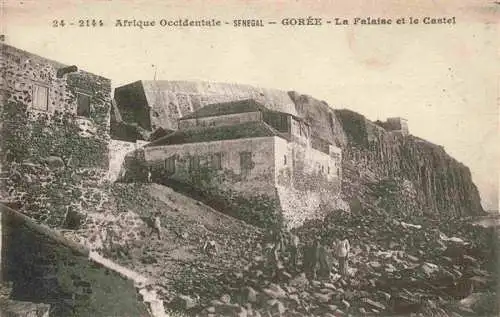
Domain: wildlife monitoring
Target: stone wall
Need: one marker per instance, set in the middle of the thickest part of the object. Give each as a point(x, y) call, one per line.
point(307, 182)
point(118, 150)
point(45, 268)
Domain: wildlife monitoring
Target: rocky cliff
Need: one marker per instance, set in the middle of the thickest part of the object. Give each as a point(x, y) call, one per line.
point(400, 173)
point(381, 168)
point(403, 172)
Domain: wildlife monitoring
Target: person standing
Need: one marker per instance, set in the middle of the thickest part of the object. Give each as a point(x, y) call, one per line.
point(210, 248)
point(324, 265)
point(311, 256)
point(150, 176)
point(294, 247)
point(157, 225)
point(343, 249)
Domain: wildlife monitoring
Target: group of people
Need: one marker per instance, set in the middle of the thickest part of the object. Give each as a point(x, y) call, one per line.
point(283, 248)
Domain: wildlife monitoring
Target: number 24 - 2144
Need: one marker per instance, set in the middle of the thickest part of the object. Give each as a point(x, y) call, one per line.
point(81, 23)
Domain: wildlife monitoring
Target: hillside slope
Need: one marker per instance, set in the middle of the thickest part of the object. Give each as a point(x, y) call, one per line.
point(393, 262)
point(177, 262)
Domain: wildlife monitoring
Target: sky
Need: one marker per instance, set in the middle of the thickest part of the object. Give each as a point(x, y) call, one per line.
point(442, 78)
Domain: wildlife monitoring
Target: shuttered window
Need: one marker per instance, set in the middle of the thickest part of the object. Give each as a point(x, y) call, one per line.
point(217, 161)
point(40, 97)
point(170, 165)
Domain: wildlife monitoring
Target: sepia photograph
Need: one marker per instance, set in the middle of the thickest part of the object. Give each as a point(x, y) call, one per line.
point(249, 158)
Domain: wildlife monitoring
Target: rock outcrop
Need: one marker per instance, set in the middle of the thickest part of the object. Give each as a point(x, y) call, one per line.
point(403, 173)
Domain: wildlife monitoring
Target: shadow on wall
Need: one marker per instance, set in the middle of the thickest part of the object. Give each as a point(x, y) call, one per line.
point(43, 267)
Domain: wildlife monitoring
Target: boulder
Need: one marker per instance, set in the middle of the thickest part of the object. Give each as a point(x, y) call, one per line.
point(53, 162)
point(322, 298)
point(346, 304)
point(386, 295)
point(275, 291)
point(250, 294)
point(374, 304)
point(73, 219)
point(429, 268)
point(225, 299)
point(276, 308)
point(230, 310)
point(333, 308)
point(184, 302)
point(300, 281)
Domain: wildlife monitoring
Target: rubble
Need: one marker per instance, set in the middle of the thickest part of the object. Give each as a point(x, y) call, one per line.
point(395, 269)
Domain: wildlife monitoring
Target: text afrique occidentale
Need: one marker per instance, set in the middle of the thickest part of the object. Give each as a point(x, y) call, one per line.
point(308, 21)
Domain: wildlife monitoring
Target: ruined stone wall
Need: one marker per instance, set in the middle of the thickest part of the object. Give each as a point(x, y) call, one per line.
point(307, 182)
point(132, 107)
point(53, 157)
point(22, 72)
point(46, 270)
point(118, 151)
point(228, 119)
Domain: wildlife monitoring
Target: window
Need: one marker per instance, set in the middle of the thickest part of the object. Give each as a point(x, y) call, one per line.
point(170, 165)
point(246, 163)
point(283, 123)
point(40, 97)
point(217, 161)
point(83, 105)
point(284, 159)
point(194, 163)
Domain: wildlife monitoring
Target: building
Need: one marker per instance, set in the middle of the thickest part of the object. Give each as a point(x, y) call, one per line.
point(48, 87)
point(54, 117)
point(243, 146)
point(147, 106)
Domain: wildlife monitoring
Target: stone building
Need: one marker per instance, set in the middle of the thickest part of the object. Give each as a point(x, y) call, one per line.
point(47, 87)
point(243, 146)
point(54, 127)
point(146, 106)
